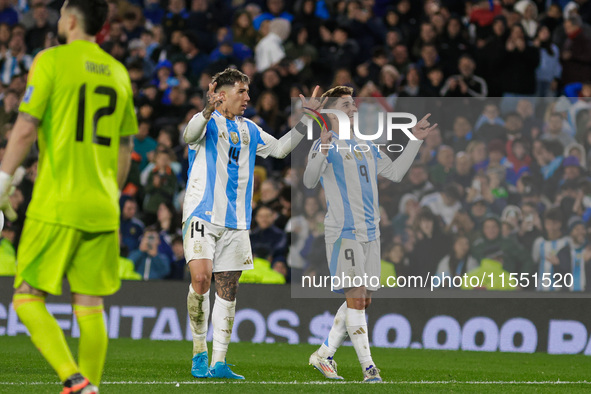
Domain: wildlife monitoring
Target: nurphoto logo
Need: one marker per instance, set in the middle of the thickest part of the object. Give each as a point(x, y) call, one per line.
point(388, 120)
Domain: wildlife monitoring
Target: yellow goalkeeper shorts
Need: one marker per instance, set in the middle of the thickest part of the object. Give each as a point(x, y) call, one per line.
point(48, 252)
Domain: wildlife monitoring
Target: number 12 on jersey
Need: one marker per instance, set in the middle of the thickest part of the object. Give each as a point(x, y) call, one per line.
point(99, 113)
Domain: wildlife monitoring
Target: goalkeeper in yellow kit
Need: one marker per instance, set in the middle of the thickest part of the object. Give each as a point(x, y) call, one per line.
point(78, 103)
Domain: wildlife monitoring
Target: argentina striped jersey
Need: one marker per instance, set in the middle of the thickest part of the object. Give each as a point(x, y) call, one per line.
point(349, 176)
point(221, 167)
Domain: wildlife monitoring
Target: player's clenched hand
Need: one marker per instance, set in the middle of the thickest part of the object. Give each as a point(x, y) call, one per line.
point(6, 189)
point(423, 128)
point(213, 100)
point(314, 103)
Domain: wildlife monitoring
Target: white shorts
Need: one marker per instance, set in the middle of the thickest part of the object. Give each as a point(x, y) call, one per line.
point(228, 248)
point(348, 258)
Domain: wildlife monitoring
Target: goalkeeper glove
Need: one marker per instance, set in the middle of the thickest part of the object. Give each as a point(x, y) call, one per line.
point(6, 189)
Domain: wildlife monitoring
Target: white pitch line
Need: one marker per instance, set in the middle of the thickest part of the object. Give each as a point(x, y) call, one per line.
point(413, 382)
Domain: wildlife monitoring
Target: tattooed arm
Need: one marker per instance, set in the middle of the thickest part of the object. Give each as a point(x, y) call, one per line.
point(226, 284)
point(22, 138)
point(195, 129)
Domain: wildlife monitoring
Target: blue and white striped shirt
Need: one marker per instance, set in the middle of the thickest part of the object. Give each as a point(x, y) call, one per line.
point(349, 176)
point(221, 168)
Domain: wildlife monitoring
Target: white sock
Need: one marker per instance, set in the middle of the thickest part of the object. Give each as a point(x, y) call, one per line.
point(337, 334)
point(198, 307)
point(357, 329)
point(222, 319)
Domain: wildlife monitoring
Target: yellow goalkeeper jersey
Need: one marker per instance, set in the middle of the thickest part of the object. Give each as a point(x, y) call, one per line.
point(83, 99)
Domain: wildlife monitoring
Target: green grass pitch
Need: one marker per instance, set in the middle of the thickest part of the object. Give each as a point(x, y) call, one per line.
point(142, 366)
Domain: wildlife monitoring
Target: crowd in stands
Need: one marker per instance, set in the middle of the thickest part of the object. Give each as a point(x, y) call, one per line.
point(503, 181)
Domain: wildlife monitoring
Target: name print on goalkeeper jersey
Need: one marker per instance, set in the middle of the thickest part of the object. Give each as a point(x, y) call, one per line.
point(221, 165)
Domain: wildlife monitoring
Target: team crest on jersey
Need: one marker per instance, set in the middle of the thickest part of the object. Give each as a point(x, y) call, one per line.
point(197, 247)
point(245, 138)
point(359, 155)
point(234, 137)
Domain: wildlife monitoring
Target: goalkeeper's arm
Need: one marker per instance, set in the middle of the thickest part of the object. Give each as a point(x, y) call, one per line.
point(23, 137)
point(125, 150)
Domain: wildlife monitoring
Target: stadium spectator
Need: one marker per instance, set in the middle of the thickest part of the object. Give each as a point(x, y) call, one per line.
point(529, 15)
point(417, 181)
point(549, 70)
point(35, 36)
point(520, 62)
point(176, 18)
point(576, 52)
point(178, 265)
point(269, 50)
point(394, 264)
point(408, 207)
point(268, 236)
point(8, 14)
point(460, 135)
point(243, 30)
point(168, 225)
point(516, 257)
point(153, 12)
point(575, 257)
point(463, 172)
point(148, 262)
point(459, 261)
point(465, 84)
point(196, 60)
point(302, 52)
point(554, 130)
point(15, 60)
point(275, 9)
point(549, 161)
point(431, 245)
point(443, 170)
point(340, 51)
point(28, 19)
point(161, 186)
point(143, 144)
point(546, 248)
point(131, 228)
point(9, 108)
point(444, 204)
point(490, 56)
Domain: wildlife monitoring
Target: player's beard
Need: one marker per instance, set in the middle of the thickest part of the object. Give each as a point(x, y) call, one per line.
point(61, 38)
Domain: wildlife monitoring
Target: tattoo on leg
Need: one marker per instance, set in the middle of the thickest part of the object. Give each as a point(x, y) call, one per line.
point(226, 284)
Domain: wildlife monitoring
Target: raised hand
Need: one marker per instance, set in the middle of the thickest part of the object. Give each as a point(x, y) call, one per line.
point(213, 100)
point(313, 104)
point(423, 128)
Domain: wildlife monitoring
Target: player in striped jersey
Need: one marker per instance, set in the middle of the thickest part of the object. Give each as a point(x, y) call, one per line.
point(545, 249)
point(349, 171)
point(217, 210)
